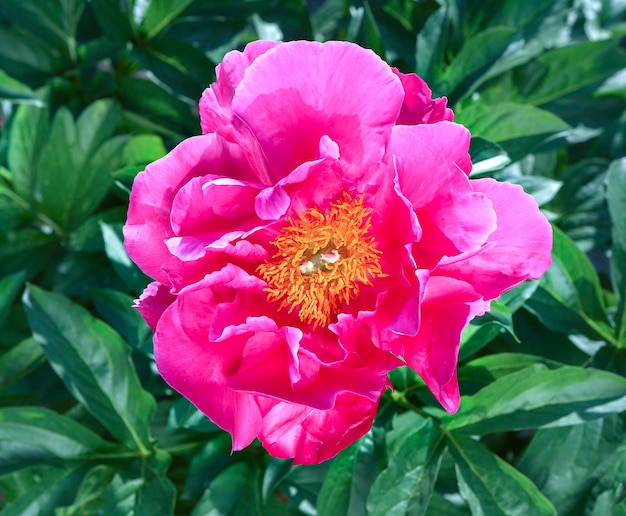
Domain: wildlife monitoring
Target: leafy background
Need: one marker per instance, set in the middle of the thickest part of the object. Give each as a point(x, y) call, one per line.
point(94, 90)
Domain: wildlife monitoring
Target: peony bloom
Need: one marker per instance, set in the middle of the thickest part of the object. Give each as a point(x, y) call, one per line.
point(322, 231)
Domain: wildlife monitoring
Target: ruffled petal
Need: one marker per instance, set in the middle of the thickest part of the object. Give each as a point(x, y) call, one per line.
point(153, 301)
point(216, 112)
point(148, 225)
point(193, 367)
point(454, 218)
point(419, 107)
point(447, 307)
point(310, 435)
point(518, 249)
point(297, 92)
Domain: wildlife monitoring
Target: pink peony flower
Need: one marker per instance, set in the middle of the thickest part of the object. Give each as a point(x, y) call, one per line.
point(322, 231)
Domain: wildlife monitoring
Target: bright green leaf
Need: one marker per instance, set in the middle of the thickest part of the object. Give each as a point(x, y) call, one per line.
point(232, 493)
point(94, 363)
point(477, 54)
point(33, 435)
point(492, 367)
point(15, 91)
point(561, 71)
point(491, 486)
point(537, 396)
point(508, 121)
point(56, 488)
point(406, 486)
point(28, 136)
point(350, 476)
point(566, 462)
point(569, 297)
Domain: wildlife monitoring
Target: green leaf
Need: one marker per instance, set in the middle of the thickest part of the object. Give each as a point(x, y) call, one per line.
point(562, 71)
point(581, 204)
point(476, 336)
point(94, 363)
point(430, 44)
point(232, 493)
point(22, 358)
point(479, 52)
point(491, 486)
point(538, 397)
point(566, 462)
point(610, 486)
point(13, 209)
point(10, 286)
point(156, 494)
point(33, 435)
point(29, 131)
point(56, 488)
point(181, 66)
point(207, 463)
point(79, 158)
point(484, 329)
point(508, 121)
point(184, 414)
point(569, 297)
point(406, 486)
point(487, 157)
point(543, 189)
point(492, 367)
point(15, 91)
point(143, 149)
point(117, 310)
point(89, 496)
point(120, 496)
point(27, 249)
point(123, 265)
point(616, 197)
point(160, 14)
point(348, 481)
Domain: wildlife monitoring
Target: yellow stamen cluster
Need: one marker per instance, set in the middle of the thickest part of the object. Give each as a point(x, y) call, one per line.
point(322, 260)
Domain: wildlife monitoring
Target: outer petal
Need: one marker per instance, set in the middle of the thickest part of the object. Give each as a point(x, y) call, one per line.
point(197, 370)
point(419, 107)
point(311, 436)
point(153, 301)
point(454, 218)
point(520, 246)
point(448, 306)
point(215, 105)
point(148, 224)
point(298, 92)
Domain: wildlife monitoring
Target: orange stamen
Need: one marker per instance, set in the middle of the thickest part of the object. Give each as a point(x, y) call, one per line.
point(322, 260)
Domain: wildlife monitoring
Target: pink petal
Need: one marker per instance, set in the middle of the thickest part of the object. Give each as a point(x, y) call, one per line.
point(448, 306)
point(215, 105)
point(419, 107)
point(297, 92)
point(310, 435)
point(153, 301)
point(191, 366)
point(453, 217)
point(519, 248)
point(148, 224)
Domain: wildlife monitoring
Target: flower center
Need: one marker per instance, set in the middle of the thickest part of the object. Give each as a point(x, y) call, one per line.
point(322, 260)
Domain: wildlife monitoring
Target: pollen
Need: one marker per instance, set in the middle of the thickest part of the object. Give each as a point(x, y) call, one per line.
point(322, 260)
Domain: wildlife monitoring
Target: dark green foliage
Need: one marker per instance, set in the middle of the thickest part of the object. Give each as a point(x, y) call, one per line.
point(95, 90)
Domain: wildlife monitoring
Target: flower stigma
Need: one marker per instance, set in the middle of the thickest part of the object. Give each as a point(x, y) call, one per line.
point(322, 259)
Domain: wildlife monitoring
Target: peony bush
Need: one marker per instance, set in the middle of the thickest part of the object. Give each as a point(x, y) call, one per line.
point(322, 257)
point(322, 231)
